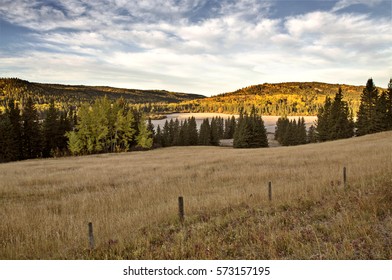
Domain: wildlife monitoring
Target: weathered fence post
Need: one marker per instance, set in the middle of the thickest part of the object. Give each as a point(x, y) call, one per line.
point(345, 177)
point(181, 208)
point(270, 191)
point(91, 235)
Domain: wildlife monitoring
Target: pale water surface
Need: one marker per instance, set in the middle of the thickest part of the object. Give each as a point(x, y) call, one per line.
point(269, 121)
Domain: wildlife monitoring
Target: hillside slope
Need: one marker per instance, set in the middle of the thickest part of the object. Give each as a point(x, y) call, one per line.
point(294, 98)
point(42, 93)
point(131, 199)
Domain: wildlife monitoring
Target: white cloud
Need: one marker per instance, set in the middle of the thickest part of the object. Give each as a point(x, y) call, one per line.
point(155, 44)
point(342, 4)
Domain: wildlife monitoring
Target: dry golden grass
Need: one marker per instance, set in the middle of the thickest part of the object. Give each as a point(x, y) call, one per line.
point(131, 199)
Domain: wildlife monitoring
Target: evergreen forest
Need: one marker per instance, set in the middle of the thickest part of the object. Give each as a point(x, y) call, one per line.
point(106, 125)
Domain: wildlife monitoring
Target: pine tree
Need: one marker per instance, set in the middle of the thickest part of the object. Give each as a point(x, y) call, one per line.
point(214, 132)
point(31, 131)
point(192, 131)
point(340, 122)
point(311, 136)
point(166, 137)
point(205, 133)
point(242, 131)
point(366, 122)
point(258, 133)
point(183, 138)
point(323, 117)
point(229, 128)
point(301, 131)
point(8, 150)
point(14, 134)
point(158, 138)
point(335, 120)
point(51, 131)
point(281, 128)
point(381, 114)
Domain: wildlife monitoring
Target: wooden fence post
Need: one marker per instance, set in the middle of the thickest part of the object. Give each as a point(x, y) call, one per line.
point(181, 208)
point(270, 191)
point(91, 235)
point(345, 177)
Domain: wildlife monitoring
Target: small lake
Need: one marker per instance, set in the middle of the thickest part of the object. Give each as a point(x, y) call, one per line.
point(269, 121)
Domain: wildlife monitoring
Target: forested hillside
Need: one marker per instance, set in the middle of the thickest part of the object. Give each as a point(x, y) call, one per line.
point(294, 99)
point(42, 94)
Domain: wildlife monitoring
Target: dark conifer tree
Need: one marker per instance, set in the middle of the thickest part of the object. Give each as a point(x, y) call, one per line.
point(281, 128)
point(150, 127)
point(258, 133)
point(183, 139)
point(192, 131)
point(15, 133)
point(51, 131)
point(166, 135)
point(158, 138)
point(242, 131)
point(323, 117)
point(31, 131)
point(205, 133)
point(301, 131)
point(65, 126)
point(311, 136)
point(175, 129)
point(229, 128)
point(381, 114)
point(8, 150)
point(366, 117)
point(214, 132)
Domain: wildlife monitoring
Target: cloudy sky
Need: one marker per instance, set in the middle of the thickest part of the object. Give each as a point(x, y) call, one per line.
point(197, 46)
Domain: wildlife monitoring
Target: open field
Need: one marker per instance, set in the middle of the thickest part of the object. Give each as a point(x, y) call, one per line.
point(131, 199)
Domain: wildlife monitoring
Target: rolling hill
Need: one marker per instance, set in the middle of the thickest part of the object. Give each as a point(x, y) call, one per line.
point(132, 201)
point(74, 94)
point(294, 98)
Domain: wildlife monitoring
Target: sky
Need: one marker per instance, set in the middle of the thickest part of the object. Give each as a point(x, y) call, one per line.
point(196, 46)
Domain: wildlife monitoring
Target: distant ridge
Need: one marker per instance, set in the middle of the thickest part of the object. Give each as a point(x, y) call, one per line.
point(20, 89)
point(290, 98)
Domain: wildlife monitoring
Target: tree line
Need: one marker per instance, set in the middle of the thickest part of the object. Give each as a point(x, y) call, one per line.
point(24, 136)
point(247, 132)
point(185, 133)
point(97, 128)
point(335, 119)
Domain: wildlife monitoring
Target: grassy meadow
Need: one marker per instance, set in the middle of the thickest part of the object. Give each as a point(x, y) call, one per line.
point(131, 199)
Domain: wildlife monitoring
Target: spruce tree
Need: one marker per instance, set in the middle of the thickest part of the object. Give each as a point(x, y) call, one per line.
point(158, 138)
point(301, 131)
point(31, 131)
point(229, 128)
point(8, 150)
point(192, 131)
point(166, 135)
point(51, 130)
point(323, 122)
point(381, 114)
point(311, 136)
point(366, 117)
point(13, 116)
point(214, 132)
point(205, 133)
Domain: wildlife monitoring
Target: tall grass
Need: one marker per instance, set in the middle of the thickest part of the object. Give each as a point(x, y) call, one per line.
point(131, 199)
